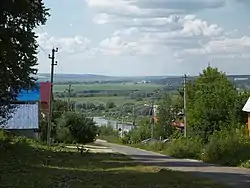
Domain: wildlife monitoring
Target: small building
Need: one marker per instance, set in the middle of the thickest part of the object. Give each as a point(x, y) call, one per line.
point(28, 107)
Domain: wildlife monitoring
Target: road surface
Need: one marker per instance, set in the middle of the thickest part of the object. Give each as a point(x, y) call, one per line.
point(235, 177)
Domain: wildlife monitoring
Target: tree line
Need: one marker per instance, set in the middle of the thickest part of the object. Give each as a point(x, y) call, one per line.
point(216, 125)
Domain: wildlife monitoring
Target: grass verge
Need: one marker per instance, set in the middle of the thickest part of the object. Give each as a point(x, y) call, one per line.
point(26, 164)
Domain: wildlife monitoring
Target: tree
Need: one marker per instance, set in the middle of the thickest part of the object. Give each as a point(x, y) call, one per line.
point(18, 47)
point(107, 131)
point(212, 103)
point(142, 132)
point(101, 107)
point(241, 100)
point(110, 105)
point(167, 112)
point(82, 129)
point(59, 109)
point(62, 131)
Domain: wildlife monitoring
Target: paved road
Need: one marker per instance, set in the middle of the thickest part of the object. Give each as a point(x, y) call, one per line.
point(236, 177)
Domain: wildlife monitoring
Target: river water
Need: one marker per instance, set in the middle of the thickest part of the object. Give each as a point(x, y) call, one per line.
point(100, 121)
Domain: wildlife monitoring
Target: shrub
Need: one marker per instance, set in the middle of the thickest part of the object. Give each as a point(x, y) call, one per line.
point(63, 135)
point(82, 129)
point(246, 164)
point(126, 139)
point(227, 148)
point(185, 148)
point(107, 130)
point(4, 141)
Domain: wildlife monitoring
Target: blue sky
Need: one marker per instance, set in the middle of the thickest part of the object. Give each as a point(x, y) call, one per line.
point(146, 37)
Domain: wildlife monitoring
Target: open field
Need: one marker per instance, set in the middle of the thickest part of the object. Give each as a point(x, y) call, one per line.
point(118, 100)
point(26, 164)
point(126, 86)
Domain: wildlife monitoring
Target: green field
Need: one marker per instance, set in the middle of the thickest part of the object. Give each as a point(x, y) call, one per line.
point(125, 86)
point(118, 100)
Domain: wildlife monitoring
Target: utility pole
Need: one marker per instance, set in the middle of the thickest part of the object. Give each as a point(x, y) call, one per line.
point(185, 104)
point(133, 115)
point(122, 127)
point(152, 120)
point(53, 63)
point(69, 95)
point(153, 113)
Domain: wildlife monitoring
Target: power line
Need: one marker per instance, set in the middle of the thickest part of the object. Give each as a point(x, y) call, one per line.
point(48, 39)
point(42, 49)
point(46, 36)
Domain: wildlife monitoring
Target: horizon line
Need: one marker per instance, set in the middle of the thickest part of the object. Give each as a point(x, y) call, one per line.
point(167, 75)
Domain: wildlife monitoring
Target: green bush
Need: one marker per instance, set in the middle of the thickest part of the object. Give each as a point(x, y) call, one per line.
point(82, 129)
point(4, 141)
point(227, 148)
point(185, 148)
point(126, 139)
point(107, 130)
point(63, 135)
point(245, 164)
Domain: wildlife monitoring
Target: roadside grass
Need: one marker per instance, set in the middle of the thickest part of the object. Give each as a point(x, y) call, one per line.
point(28, 164)
point(126, 86)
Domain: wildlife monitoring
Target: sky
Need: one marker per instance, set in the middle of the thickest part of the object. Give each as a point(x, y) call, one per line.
point(146, 37)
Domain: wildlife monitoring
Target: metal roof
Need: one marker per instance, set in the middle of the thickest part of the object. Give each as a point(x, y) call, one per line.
point(25, 116)
point(30, 95)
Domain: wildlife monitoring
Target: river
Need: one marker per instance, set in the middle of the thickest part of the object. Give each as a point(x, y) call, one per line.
point(100, 121)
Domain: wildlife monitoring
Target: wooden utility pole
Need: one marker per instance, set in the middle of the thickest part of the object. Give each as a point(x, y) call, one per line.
point(185, 104)
point(133, 116)
point(152, 120)
point(53, 63)
point(69, 95)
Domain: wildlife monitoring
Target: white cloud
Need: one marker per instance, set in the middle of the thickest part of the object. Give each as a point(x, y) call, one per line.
point(115, 45)
point(187, 25)
point(188, 5)
point(71, 45)
point(197, 27)
point(227, 47)
point(166, 28)
point(114, 6)
point(144, 8)
point(185, 31)
point(105, 18)
point(102, 18)
point(128, 8)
